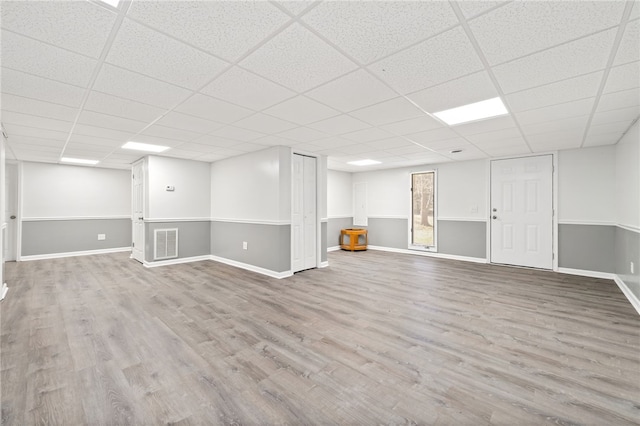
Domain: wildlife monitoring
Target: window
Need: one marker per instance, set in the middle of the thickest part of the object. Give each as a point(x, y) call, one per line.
point(423, 208)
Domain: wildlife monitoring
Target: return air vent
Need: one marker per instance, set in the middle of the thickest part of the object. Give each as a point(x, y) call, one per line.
point(165, 244)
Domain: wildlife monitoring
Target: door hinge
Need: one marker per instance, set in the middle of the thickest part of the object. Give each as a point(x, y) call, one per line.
point(133, 244)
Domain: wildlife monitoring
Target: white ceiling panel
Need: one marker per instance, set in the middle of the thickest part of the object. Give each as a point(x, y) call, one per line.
point(110, 122)
point(397, 109)
point(82, 27)
point(27, 120)
point(237, 134)
point(247, 89)
point(36, 107)
point(388, 144)
point(15, 130)
point(149, 52)
point(295, 48)
point(613, 116)
point(45, 60)
point(101, 132)
point(564, 139)
point(367, 135)
point(623, 77)
point(408, 150)
point(434, 61)
point(356, 26)
point(474, 8)
point(508, 150)
point(483, 126)
point(333, 142)
point(635, 12)
point(170, 133)
point(461, 91)
point(17, 141)
point(129, 85)
point(239, 26)
point(339, 124)
point(296, 6)
point(265, 124)
point(609, 128)
point(585, 86)
point(602, 139)
point(95, 141)
point(557, 112)
point(299, 134)
point(629, 49)
point(568, 124)
point(213, 109)
point(216, 141)
point(496, 135)
point(31, 86)
point(433, 135)
point(301, 110)
point(500, 143)
point(188, 122)
point(126, 108)
point(413, 125)
point(156, 140)
point(524, 27)
point(352, 91)
point(583, 56)
point(443, 146)
point(617, 100)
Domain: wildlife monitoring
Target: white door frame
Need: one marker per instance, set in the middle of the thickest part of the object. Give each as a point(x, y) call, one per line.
point(554, 179)
point(16, 235)
point(143, 164)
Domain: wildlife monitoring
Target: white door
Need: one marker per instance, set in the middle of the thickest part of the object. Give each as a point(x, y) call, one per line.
point(11, 212)
point(137, 214)
point(303, 213)
point(522, 211)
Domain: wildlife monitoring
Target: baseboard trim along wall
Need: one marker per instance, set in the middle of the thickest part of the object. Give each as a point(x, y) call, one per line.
point(252, 268)
point(628, 293)
point(430, 254)
point(586, 273)
point(176, 261)
point(72, 254)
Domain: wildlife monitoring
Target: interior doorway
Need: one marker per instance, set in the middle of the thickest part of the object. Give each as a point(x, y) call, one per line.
point(137, 213)
point(11, 212)
point(304, 217)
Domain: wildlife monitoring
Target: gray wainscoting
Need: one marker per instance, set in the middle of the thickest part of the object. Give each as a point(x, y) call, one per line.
point(323, 241)
point(74, 235)
point(388, 232)
point(627, 249)
point(268, 246)
point(462, 238)
point(193, 238)
point(333, 229)
point(586, 247)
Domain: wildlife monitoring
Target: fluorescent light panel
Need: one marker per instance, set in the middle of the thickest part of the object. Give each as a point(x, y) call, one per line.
point(139, 146)
point(364, 162)
point(79, 161)
point(473, 112)
point(113, 3)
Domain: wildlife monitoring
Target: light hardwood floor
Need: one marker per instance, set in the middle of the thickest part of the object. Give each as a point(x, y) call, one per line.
point(376, 338)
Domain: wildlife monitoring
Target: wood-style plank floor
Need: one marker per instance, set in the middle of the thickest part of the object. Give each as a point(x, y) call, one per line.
point(376, 338)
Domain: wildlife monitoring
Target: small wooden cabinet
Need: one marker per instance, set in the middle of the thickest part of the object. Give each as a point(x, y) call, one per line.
point(354, 235)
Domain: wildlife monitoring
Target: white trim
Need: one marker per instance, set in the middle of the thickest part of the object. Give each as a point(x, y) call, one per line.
point(430, 254)
point(324, 264)
point(585, 222)
point(334, 248)
point(586, 273)
point(251, 221)
point(73, 254)
point(387, 217)
point(47, 219)
point(340, 217)
point(629, 227)
point(252, 268)
point(463, 219)
point(635, 302)
point(4, 290)
point(176, 261)
point(178, 219)
point(324, 220)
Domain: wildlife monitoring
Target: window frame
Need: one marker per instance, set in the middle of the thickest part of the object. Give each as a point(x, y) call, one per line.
point(417, 247)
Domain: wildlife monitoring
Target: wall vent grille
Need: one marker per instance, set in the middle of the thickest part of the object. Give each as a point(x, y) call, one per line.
point(165, 243)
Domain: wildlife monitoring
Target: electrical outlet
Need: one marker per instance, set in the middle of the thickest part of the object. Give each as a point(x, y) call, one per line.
point(631, 267)
point(102, 237)
point(244, 245)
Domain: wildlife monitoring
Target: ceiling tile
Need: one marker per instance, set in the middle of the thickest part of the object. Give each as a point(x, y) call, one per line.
point(247, 89)
point(45, 60)
point(301, 110)
point(483, 126)
point(556, 112)
point(110, 122)
point(95, 141)
point(602, 139)
point(216, 141)
point(623, 77)
point(36, 107)
point(433, 135)
point(113, 105)
point(14, 130)
point(339, 125)
point(508, 150)
point(352, 91)
point(265, 124)
point(566, 124)
point(126, 84)
point(356, 26)
point(17, 141)
point(156, 140)
point(617, 100)
point(468, 153)
point(78, 147)
point(149, 52)
point(629, 49)
point(298, 59)
point(616, 115)
point(500, 143)
point(367, 135)
point(273, 140)
point(397, 109)
point(635, 12)
point(556, 141)
point(296, 6)
point(609, 128)
point(413, 125)
point(442, 58)
point(461, 91)
point(239, 26)
point(188, 122)
point(170, 133)
point(408, 150)
point(524, 27)
point(84, 129)
point(357, 149)
point(443, 146)
point(585, 86)
point(389, 143)
point(496, 135)
point(30, 86)
point(299, 134)
point(568, 60)
point(474, 7)
point(9, 117)
point(332, 142)
point(237, 133)
point(213, 109)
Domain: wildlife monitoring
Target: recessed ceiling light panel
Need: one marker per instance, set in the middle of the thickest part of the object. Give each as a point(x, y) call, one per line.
point(147, 147)
point(112, 3)
point(473, 112)
point(364, 162)
point(79, 161)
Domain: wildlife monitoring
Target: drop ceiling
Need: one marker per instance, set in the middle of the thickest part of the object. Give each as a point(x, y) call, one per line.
point(351, 80)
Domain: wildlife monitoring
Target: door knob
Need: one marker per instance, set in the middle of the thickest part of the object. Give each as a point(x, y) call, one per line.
point(495, 210)
point(12, 217)
point(141, 218)
point(494, 217)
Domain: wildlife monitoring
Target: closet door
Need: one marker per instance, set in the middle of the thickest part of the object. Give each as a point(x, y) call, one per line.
point(304, 213)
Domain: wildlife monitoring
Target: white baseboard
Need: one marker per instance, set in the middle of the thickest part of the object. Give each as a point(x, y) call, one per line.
point(635, 302)
point(430, 254)
point(586, 273)
point(4, 290)
point(324, 264)
point(253, 268)
point(175, 261)
point(334, 248)
point(72, 254)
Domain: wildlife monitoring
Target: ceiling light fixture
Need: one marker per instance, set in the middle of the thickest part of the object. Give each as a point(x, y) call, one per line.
point(473, 112)
point(364, 162)
point(112, 3)
point(79, 161)
point(139, 146)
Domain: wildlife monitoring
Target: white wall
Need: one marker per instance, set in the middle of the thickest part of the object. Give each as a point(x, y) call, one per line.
point(339, 194)
point(627, 169)
point(586, 185)
point(192, 195)
point(61, 191)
